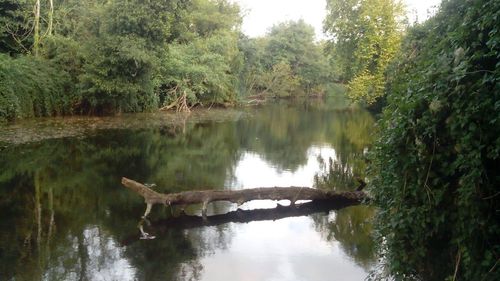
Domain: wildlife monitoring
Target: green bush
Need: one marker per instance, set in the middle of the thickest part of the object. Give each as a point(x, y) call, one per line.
point(31, 87)
point(435, 166)
point(117, 76)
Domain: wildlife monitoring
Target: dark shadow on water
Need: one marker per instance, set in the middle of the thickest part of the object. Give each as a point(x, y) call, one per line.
point(156, 228)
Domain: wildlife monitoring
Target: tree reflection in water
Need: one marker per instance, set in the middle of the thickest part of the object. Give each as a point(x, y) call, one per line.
point(63, 212)
point(351, 226)
point(62, 209)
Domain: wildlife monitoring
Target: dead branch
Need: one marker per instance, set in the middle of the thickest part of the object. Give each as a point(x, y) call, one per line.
point(180, 102)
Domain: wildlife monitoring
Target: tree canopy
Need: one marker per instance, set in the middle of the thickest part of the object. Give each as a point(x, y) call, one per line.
point(365, 37)
point(107, 57)
point(119, 55)
point(285, 62)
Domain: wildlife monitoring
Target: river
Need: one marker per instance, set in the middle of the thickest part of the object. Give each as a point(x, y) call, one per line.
point(65, 216)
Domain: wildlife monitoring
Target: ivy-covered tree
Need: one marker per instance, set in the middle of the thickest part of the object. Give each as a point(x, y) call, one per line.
point(199, 72)
point(280, 81)
point(435, 166)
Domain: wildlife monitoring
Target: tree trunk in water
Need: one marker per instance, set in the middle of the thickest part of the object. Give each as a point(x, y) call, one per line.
point(293, 194)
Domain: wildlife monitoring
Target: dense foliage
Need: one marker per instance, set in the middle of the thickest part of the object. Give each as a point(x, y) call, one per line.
point(134, 56)
point(366, 35)
point(31, 87)
point(119, 55)
point(203, 62)
point(287, 61)
point(435, 166)
point(15, 36)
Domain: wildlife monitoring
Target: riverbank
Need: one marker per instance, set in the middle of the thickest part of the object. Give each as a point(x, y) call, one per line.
point(41, 128)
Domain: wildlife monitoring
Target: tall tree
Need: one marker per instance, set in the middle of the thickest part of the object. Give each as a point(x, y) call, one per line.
point(200, 66)
point(365, 37)
point(122, 55)
point(294, 43)
point(36, 27)
point(288, 55)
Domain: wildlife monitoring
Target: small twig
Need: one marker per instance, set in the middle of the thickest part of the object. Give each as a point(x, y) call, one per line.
point(18, 41)
point(170, 106)
point(428, 190)
point(211, 104)
point(491, 270)
point(479, 71)
point(456, 266)
point(175, 102)
point(492, 196)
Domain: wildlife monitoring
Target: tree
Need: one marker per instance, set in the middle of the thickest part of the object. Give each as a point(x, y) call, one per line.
point(286, 61)
point(293, 43)
point(365, 36)
point(280, 81)
point(200, 67)
point(199, 72)
point(32, 87)
point(122, 56)
point(252, 53)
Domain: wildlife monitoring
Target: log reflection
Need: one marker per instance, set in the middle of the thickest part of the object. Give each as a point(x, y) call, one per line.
point(239, 216)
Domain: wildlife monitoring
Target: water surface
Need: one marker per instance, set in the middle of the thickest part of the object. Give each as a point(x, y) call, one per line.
point(64, 215)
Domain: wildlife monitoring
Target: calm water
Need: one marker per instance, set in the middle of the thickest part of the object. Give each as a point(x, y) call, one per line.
point(64, 215)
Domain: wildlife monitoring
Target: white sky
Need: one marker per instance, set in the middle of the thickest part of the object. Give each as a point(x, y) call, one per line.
point(260, 15)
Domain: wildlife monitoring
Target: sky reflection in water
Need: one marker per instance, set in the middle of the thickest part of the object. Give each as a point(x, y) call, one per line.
point(288, 249)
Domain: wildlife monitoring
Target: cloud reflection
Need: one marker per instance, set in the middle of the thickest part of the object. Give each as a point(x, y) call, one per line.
point(254, 171)
point(289, 249)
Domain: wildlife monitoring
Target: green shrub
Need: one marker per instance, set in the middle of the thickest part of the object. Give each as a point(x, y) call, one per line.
point(435, 166)
point(31, 87)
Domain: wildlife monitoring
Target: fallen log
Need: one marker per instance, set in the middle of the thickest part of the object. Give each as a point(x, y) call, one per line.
point(293, 194)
